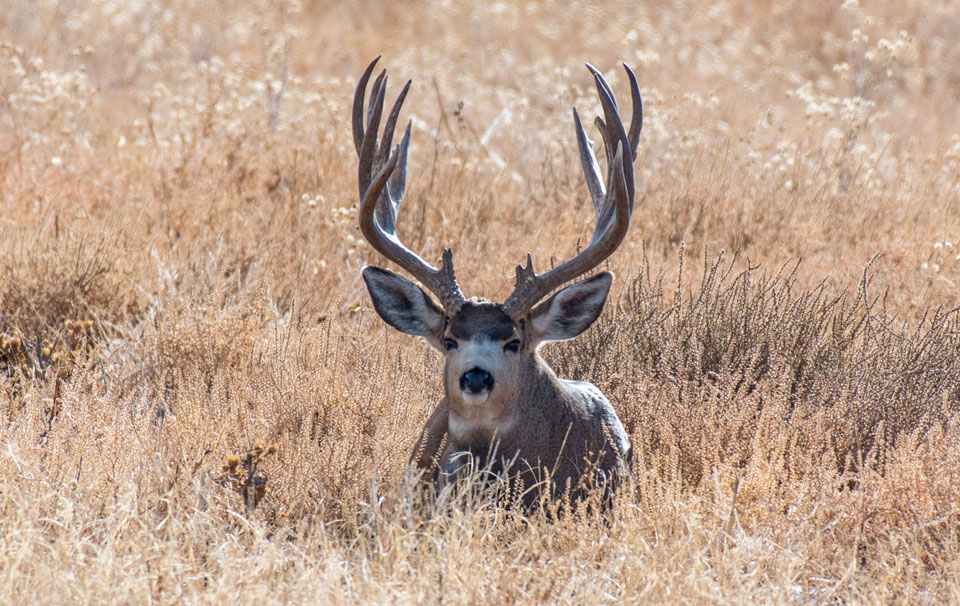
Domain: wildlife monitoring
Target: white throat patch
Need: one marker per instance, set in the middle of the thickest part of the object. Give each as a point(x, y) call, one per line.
point(461, 428)
point(474, 399)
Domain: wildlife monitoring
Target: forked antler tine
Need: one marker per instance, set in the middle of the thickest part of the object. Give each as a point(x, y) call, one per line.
point(636, 118)
point(615, 231)
point(591, 168)
point(389, 205)
point(608, 146)
point(611, 131)
point(382, 180)
point(611, 126)
point(373, 157)
point(371, 230)
point(531, 287)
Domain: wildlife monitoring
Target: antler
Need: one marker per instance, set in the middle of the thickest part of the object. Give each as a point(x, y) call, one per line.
point(612, 198)
point(382, 179)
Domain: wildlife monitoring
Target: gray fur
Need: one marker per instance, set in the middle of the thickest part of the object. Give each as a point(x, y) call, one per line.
point(562, 426)
point(549, 427)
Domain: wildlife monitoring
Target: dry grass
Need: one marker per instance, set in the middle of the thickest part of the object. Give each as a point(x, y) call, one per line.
point(179, 291)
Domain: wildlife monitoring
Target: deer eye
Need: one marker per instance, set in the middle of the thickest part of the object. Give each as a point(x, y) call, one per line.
point(513, 346)
point(449, 344)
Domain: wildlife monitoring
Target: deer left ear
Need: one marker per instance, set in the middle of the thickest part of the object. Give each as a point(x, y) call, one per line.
point(403, 305)
point(572, 310)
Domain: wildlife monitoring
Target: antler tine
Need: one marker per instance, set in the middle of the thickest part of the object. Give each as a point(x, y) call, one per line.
point(379, 88)
point(382, 175)
point(612, 132)
point(612, 200)
point(386, 214)
point(591, 168)
point(636, 120)
point(611, 126)
point(358, 99)
point(368, 148)
point(391, 125)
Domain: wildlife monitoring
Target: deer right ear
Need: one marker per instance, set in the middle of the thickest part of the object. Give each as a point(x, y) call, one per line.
point(403, 305)
point(572, 310)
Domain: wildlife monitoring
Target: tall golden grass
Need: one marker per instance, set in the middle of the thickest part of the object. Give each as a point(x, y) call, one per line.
point(198, 403)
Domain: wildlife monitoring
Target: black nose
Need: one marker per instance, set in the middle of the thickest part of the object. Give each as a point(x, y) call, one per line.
point(476, 380)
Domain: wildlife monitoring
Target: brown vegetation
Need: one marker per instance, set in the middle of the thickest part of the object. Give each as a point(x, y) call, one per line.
point(198, 404)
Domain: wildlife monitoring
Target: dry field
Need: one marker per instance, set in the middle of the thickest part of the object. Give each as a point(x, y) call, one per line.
point(199, 405)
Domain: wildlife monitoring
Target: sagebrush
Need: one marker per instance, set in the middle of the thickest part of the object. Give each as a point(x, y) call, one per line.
point(199, 404)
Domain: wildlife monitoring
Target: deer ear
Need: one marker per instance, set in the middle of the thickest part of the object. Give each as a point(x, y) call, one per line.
point(572, 310)
point(403, 305)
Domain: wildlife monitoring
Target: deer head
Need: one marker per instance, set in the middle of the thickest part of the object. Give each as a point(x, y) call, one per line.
point(490, 349)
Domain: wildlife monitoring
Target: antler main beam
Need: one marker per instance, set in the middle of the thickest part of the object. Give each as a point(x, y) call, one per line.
point(612, 197)
point(382, 178)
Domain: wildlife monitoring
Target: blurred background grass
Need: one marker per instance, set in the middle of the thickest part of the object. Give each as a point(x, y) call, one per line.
point(179, 284)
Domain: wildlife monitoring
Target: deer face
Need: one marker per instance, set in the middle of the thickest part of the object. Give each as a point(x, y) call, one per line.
point(487, 353)
point(482, 347)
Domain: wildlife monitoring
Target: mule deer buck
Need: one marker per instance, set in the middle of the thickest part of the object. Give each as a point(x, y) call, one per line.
point(502, 402)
